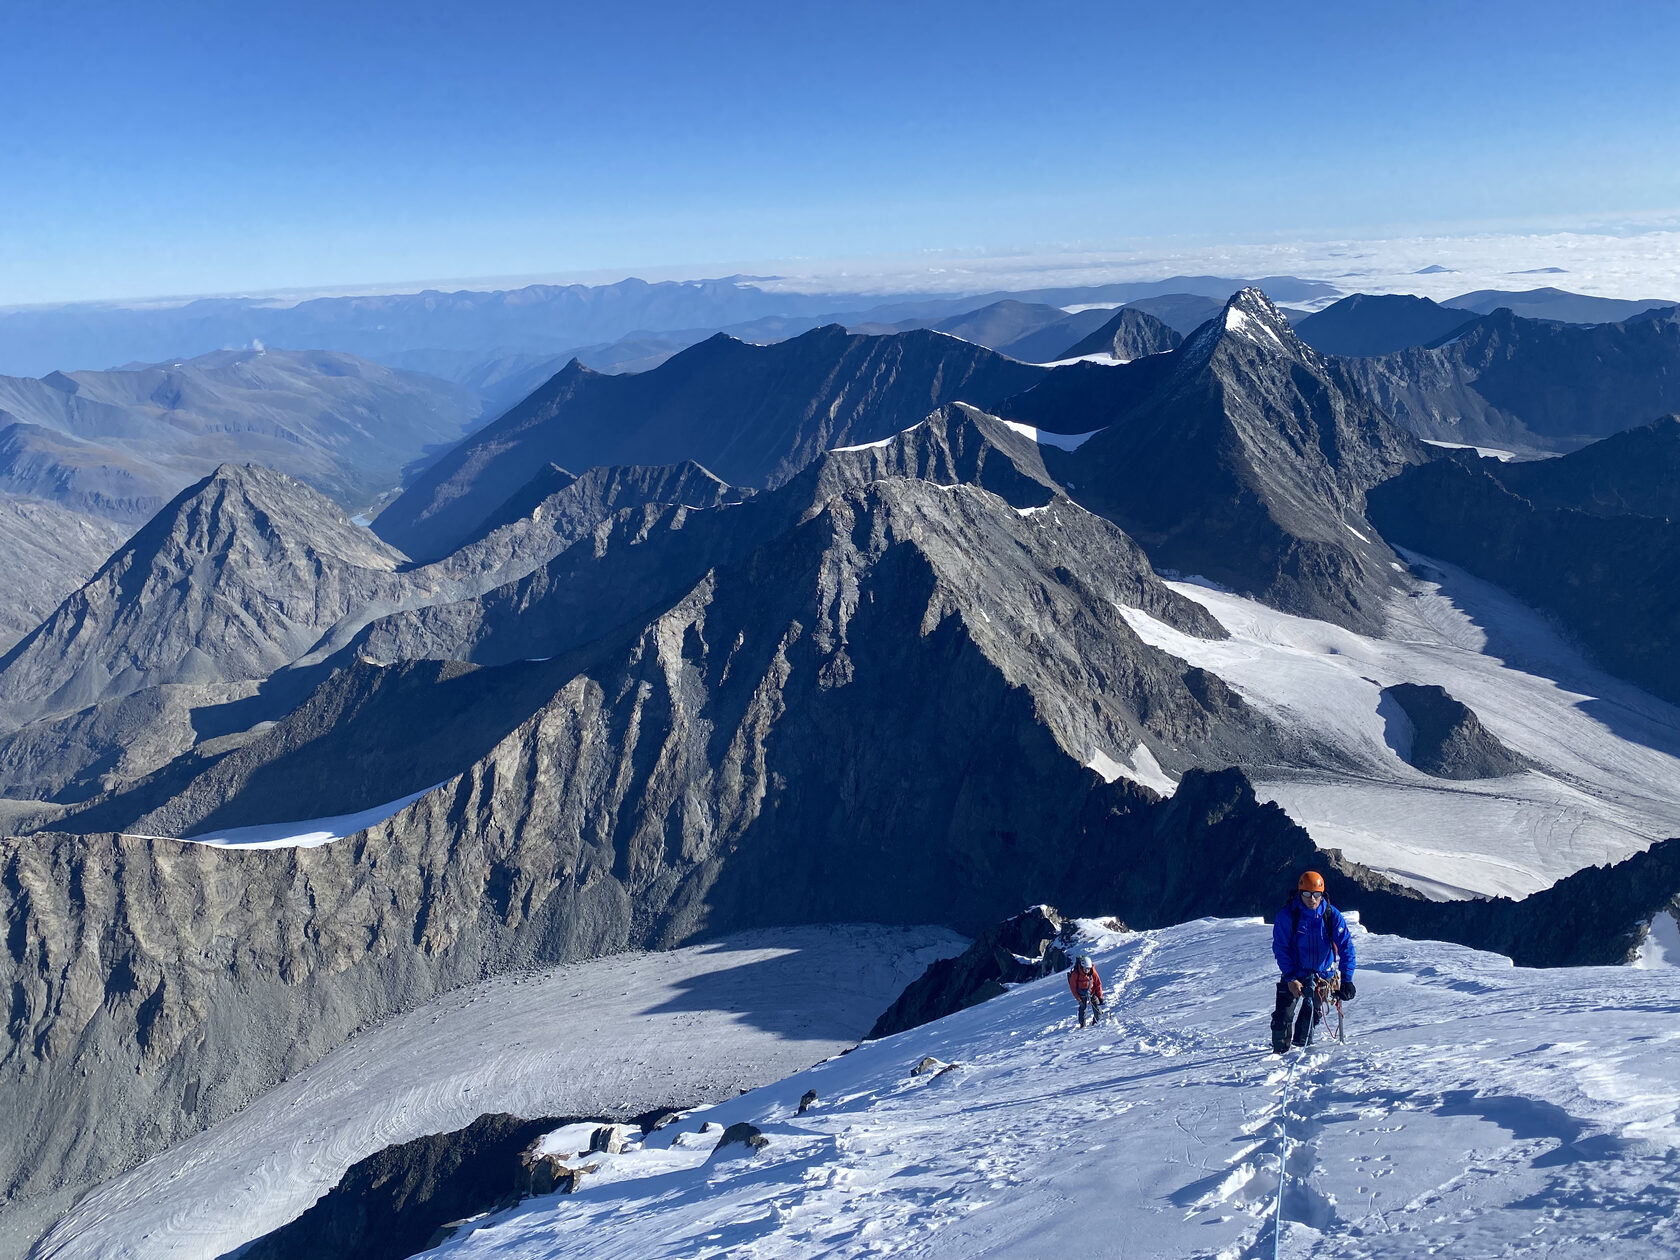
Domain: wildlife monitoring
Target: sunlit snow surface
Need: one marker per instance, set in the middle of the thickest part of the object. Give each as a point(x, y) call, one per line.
point(1607, 755)
point(1477, 1110)
point(306, 834)
point(623, 1034)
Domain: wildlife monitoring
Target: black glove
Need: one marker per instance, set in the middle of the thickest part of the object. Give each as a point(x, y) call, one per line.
point(1346, 992)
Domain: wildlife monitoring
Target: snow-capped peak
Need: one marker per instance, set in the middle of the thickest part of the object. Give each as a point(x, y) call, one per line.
point(1248, 316)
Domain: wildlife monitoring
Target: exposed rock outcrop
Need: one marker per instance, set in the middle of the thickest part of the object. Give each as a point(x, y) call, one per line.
point(1446, 739)
point(1130, 334)
point(1021, 948)
point(237, 577)
point(1529, 384)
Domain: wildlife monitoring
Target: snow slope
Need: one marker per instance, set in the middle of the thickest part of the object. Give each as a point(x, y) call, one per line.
point(1606, 781)
point(616, 1035)
point(300, 835)
point(1477, 1110)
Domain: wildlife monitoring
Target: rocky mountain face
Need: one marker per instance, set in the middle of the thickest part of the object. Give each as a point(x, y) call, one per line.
point(235, 578)
point(49, 551)
point(87, 457)
point(1369, 324)
point(1530, 386)
point(1130, 334)
point(1442, 736)
point(1632, 473)
point(1242, 456)
point(1613, 580)
point(754, 415)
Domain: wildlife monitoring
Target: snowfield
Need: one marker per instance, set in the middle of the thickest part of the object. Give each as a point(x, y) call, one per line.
point(618, 1035)
point(1476, 1110)
point(1606, 781)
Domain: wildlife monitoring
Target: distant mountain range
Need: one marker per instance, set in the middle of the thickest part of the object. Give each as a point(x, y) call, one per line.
point(87, 456)
point(846, 627)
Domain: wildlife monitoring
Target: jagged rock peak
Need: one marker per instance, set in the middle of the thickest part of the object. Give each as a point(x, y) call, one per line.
point(1249, 317)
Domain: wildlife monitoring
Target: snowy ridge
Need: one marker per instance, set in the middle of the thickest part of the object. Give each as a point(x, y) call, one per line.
point(1477, 1110)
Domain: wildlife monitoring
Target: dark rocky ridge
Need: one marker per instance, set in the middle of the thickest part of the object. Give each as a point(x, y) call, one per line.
point(1530, 385)
point(1020, 948)
point(1613, 581)
point(1632, 473)
point(1447, 739)
point(754, 415)
point(1242, 455)
point(1365, 325)
point(1130, 334)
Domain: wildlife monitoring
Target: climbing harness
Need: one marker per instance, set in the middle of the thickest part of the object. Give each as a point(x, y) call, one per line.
point(1326, 998)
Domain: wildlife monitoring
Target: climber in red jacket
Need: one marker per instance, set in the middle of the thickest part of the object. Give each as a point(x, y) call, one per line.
point(1087, 987)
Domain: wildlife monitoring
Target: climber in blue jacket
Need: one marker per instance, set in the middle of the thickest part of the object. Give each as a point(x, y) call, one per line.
point(1310, 941)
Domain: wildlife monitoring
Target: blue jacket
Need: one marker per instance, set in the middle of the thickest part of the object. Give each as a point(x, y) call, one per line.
point(1308, 942)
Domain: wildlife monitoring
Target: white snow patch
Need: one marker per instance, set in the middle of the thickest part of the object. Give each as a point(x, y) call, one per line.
point(1032, 511)
point(1350, 529)
point(1143, 769)
point(1075, 309)
point(300, 835)
point(1062, 441)
point(1491, 452)
point(1661, 946)
point(1606, 755)
point(1102, 356)
point(880, 442)
point(622, 1035)
point(1472, 1104)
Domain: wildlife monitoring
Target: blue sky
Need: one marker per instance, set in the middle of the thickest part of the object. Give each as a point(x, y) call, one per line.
point(174, 148)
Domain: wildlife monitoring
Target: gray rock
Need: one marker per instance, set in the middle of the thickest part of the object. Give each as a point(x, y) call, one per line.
point(1446, 738)
point(237, 577)
point(742, 1134)
point(1130, 334)
point(807, 1100)
point(1018, 949)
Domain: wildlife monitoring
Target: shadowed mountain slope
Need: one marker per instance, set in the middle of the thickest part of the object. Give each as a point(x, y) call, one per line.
point(754, 415)
point(1371, 324)
point(1530, 386)
point(1635, 472)
point(1613, 580)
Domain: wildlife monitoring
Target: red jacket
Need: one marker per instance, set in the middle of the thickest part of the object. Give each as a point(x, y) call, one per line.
point(1085, 983)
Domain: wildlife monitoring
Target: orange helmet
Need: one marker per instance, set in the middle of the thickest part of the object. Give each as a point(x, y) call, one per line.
point(1311, 881)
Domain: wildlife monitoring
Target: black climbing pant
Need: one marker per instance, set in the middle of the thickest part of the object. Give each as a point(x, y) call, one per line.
point(1293, 1017)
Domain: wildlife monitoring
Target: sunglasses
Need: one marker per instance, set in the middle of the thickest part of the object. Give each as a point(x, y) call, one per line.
point(1316, 896)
